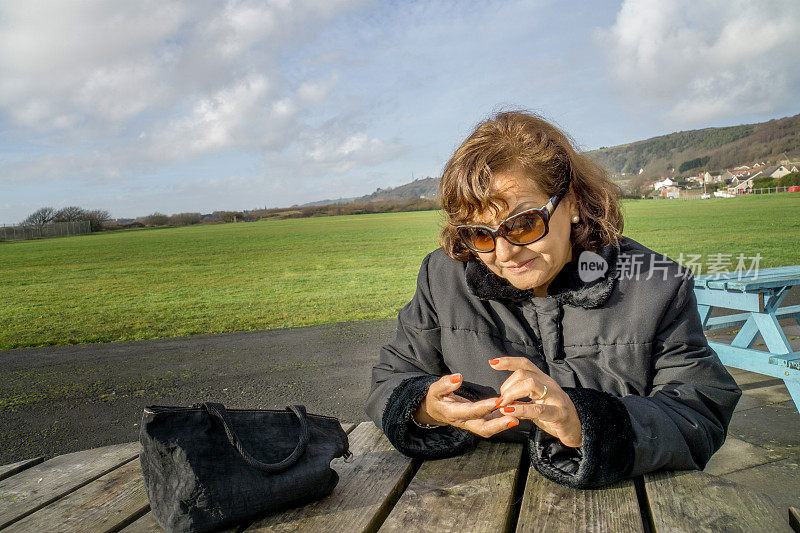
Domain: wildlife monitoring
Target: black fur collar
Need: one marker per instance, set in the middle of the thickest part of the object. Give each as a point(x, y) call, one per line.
point(567, 287)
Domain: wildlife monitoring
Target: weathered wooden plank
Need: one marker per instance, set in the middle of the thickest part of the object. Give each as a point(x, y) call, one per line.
point(367, 488)
point(471, 492)
point(35, 487)
point(547, 506)
point(145, 524)
point(148, 524)
point(11, 469)
point(105, 504)
point(696, 501)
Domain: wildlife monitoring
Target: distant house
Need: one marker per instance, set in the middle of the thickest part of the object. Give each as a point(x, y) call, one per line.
point(738, 172)
point(742, 187)
point(707, 177)
point(756, 174)
point(666, 182)
point(779, 172)
point(666, 192)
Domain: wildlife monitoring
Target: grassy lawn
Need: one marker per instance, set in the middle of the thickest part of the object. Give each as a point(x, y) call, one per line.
point(231, 277)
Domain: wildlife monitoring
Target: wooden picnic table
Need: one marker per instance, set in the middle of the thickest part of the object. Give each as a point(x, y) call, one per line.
point(490, 488)
point(758, 294)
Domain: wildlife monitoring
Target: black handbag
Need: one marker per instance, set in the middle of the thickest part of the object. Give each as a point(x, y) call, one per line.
point(206, 467)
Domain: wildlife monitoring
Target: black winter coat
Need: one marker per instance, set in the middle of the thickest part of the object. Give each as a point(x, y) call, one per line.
point(629, 351)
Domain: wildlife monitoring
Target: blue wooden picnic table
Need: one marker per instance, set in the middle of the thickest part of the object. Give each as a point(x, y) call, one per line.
point(758, 294)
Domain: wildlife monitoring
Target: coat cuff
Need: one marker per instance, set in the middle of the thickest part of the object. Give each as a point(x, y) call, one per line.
point(607, 453)
point(417, 442)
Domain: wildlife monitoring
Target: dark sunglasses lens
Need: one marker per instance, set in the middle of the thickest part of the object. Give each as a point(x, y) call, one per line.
point(477, 239)
point(525, 229)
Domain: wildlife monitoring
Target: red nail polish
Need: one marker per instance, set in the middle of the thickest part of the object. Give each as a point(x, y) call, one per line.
point(513, 423)
point(455, 379)
point(494, 361)
point(508, 409)
point(498, 402)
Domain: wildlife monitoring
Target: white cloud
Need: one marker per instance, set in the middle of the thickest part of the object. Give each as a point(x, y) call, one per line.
point(705, 60)
point(66, 64)
point(330, 149)
point(231, 117)
point(316, 91)
point(184, 78)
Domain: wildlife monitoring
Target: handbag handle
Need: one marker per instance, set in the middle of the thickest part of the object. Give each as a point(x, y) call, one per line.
point(218, 411)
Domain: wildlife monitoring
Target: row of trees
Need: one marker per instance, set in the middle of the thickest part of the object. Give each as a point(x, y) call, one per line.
point(47, 215)
point(351, 208)
point(178, 219)
point(697, 162)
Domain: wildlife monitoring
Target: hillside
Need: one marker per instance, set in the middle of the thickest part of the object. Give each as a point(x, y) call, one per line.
point(427, 187)
point(683, 153)
point(711, 149)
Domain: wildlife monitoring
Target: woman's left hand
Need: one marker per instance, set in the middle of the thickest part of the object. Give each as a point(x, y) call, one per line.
point(551, 409)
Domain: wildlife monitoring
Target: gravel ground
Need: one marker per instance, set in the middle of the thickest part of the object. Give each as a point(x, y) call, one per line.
point(61, 399)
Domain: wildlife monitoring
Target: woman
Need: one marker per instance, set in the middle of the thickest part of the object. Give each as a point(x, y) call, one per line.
point(537, 322)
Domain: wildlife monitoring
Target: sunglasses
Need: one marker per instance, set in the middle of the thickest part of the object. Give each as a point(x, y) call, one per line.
point(523, 228)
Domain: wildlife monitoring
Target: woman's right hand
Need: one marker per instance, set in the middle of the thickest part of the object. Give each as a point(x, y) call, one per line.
point(443, 407)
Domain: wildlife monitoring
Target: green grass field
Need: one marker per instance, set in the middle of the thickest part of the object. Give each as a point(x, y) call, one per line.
point(159, 283)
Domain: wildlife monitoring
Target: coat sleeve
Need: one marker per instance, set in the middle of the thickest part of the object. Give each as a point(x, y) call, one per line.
point(407, 367)
point(685, 418)
point(677, 426)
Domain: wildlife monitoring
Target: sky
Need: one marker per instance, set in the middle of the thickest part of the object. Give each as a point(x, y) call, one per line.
point(190, 106)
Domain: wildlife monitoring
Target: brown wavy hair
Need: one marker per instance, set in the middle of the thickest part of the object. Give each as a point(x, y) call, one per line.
point(520, 140)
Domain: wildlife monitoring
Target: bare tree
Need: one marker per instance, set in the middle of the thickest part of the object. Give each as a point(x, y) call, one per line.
point(70, 214)
point(184, 219)
point(39, 218)
point(156, 219)
point(96, 218)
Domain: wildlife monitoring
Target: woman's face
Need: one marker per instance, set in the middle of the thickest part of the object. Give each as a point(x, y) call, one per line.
point(540, 261)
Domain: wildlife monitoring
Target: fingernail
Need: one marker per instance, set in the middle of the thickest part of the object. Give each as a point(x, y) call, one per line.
point(508, 409)
point(494, 361)
point(513, 423)
point(498, 402)
point(455, 378)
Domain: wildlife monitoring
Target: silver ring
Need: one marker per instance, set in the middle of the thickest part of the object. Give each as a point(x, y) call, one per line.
point(543, 394)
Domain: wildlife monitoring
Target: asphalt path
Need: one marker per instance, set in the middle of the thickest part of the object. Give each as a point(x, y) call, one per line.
point(66, 398)
point(61, 399)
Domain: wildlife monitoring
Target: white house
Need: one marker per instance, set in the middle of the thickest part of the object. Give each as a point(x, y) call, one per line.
point(666, 182)
point(779, 172)
point(743, 187)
